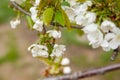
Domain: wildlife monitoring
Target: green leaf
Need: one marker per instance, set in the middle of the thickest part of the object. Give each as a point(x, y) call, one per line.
point(26, 5)
point(42, 4)
point(81, 0)
point(29, 22)
point(65, 3)
point(117, 3)
point(66, 19)
point(59, 18)
point(99, 0)
point(48, 15)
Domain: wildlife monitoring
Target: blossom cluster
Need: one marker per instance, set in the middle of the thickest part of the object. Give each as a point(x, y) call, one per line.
point(14, 23)
point(105, 34)
point(65, 62)
point(48, 49)
point(34, 16)
point(77, 12)
point(100, 33)
point(42, 50)
point(38, 50)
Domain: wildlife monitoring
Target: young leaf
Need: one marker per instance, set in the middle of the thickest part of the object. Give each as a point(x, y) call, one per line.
point(42, 4)
point(48, 15)
point(117, 3)
point(65, 3)
point(81, 0)
point(26, 5)
point(59, 18)
point(66, 19)
point(99, 0)
point(30, 22)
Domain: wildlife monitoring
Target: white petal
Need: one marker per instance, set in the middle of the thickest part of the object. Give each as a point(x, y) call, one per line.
point(95, 45)
point(113, 44)
point(14, 23)
point(31, 46)
point(66, 70)
point(83, 8)
point(34, 17)
point(109, 36)
point(71, 14)
point(80, 19)
point(58, 50)
point(38, 26)
point(54, 33)
point(106, 48)
point(37, 2)
point(107, 26)
point(72, 2)
point(104, 43)
point(95, 38)
point(90, 28)
point(91, 17)
point(33, 10)
point(65, 61)
point(38, 50)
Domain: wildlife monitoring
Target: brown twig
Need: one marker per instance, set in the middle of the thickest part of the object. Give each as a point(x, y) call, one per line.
point(89, 73)
point(115, 54)
point(17, 6)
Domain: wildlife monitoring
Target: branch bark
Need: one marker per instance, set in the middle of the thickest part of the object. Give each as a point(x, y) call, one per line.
point(89, 73)
point(18, 7)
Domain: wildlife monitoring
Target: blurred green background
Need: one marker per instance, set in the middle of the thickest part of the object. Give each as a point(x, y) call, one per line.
point(5, 13)
point(16, 63)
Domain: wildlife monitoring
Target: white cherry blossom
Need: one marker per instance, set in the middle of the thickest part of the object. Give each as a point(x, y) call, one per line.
point(67, 70)
point(90, 28)
point(14, 23)
point(95, 38)
point(80, 19)
point(107, 26)
point(72, 2)
point(105, 43)
point(58, 50)
point(38, 25)
point(70, 13)
point(94, 35)
point(34, 17)
point(91, 17)
point(38, 50)
point(115, 42)
point(80, 9)
point(37, 2)
point(65, 61)
point(54, 33)
point(85, 19)
point(83, 7)
point(111, 40)
point(33, 10)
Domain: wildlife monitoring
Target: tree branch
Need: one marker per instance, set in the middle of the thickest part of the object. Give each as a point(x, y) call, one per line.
point(89, 73)
point(115, 54)
point(17, 6)
point(77, 75)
